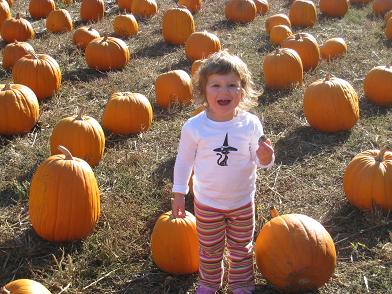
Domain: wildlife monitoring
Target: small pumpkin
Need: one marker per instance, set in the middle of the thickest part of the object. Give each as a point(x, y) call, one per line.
point(82, 135)
point(367, 180)
point(196, 65)
point(43, 68)
point(242, 11)
point(19, 109)
point(177, 25)
point(303, 13)
point(279, 33)
point(64, 201)
point(24, 286)
point(303, 248)
point(107, 53)
point(84, 35)
point(125, 25)
point(262, 6)
point(173, 86)
point(194, 6)
point(331, 105)
point(5, 12)
point(378, 85)
point(200, 45)
point(174, 244)
point(282, 69)
point(125, 5)
point(333, 48)
point(41, 8)
point(17, 29)
point(92, 10)
point(334, 8)
point(127, 113)
point(59, 21)
point(380, 7)
point(14, 51)
point(144, 8)
point(276, 19)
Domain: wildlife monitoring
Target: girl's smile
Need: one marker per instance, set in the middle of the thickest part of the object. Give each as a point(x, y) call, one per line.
point(223, 94)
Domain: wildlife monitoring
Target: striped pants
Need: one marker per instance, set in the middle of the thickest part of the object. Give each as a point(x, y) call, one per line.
point(236, 227)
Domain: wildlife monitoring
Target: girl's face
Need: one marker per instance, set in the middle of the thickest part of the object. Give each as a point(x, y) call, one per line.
point(223, 94)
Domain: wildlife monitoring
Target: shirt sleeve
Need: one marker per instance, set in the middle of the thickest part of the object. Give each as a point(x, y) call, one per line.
point(184, 161)
point(258, 132)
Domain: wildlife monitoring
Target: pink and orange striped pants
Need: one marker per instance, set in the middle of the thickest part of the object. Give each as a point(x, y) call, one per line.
point(217, 228)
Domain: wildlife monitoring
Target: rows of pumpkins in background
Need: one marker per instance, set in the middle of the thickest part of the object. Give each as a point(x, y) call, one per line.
point(126, 113)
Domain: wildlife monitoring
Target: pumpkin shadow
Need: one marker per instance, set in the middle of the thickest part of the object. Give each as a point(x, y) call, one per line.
point(369, 109)
point(225, 25)
point(348, 226)
point(270, 96)
point(84, 75)
point(183, 64)
point(267, 46)
point(114, 141)
point(158, 49)
point(387, 43)
point(28, 250)
point(306, 142)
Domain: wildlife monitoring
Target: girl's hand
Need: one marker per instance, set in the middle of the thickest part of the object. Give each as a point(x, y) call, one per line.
point(265, 151)
point(178, 205)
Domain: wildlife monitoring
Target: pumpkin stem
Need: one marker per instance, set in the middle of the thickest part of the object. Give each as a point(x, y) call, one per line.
point(328, 77)
point(297, 37)
point(104, 39)
point(6, 87)
point(380, 156)
point(80, 113)
point(274, 211)
point(65, 151)
point(17, 16)
point(3, 290)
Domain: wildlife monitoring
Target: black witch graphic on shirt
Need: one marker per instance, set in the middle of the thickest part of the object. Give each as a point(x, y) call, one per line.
point(223, 152)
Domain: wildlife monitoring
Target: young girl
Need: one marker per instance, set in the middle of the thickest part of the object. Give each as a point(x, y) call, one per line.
point(223, 145)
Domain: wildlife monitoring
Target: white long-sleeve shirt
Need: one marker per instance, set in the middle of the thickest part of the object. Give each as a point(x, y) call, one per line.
point(223, 158)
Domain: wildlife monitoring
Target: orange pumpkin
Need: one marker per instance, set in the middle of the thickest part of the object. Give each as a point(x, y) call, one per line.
point(82, 135)
point(173, 86)
point(125, 25)
point(276, 19)
point(38, 65)
point(331, 105)
point(262, 6)
point(388, 29)
point(177, 25)
point(295, 253)
point(279, 33)
point(144, 8)
point(41, 8)
point(367, 180)
point(333, 48)
point(24, 286)
point(84, 35)
point(242, 11)
point(107, 53)
point(193, 5)
point(13, 52)
point(334, 8)
point(282, 69)
point(200, 45)
point(59, 21)
point(19, 109)
point(5, 12)
point(378, 85)
point(125, 5)
point(64, 201)
point(92, 10)
point(380, 7)
point(303, 13)
point(307, 48)
point(174, 244)
point(17, 29)
point(196, 65)
point(127, 113)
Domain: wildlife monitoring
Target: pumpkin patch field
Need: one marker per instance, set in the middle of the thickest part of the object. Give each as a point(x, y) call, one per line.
point(93, 95)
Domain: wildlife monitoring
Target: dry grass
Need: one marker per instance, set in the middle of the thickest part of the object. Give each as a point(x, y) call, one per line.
point(135, 175)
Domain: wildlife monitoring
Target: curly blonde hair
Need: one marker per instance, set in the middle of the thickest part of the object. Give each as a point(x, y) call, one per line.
point(223, 62)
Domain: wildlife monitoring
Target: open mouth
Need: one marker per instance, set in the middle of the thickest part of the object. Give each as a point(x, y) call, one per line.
point(223, 102)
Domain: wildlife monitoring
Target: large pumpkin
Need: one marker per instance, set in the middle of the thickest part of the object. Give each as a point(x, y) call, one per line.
point(24, 286)
point(64, 201)
point(282, 69)
point(32, 69)
point(303, 13)
point(279, 33)
point(200, 45)
point(333, 48)
point(14, 51)
point(59, 21)
point(84, 35)
point(177, 25)
point(380, 7)
point(307, 48)
point(107, 53)
point(378, 85)
point(174, 244)
point(276, 19)
point(144, 8)
point(331, 105)
point(92, 10)
point(5, 12)
point(19, 109)
point(367, 180)
point(17, 29)
point(125, 25)
point(295, 253)
point(242, 11)
point(127, 113)
point(334, 8)
point(262, 6)
point(193, 5)
point(125, 5)
point(82, 135)
point(173, 86)
point(41, 8)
